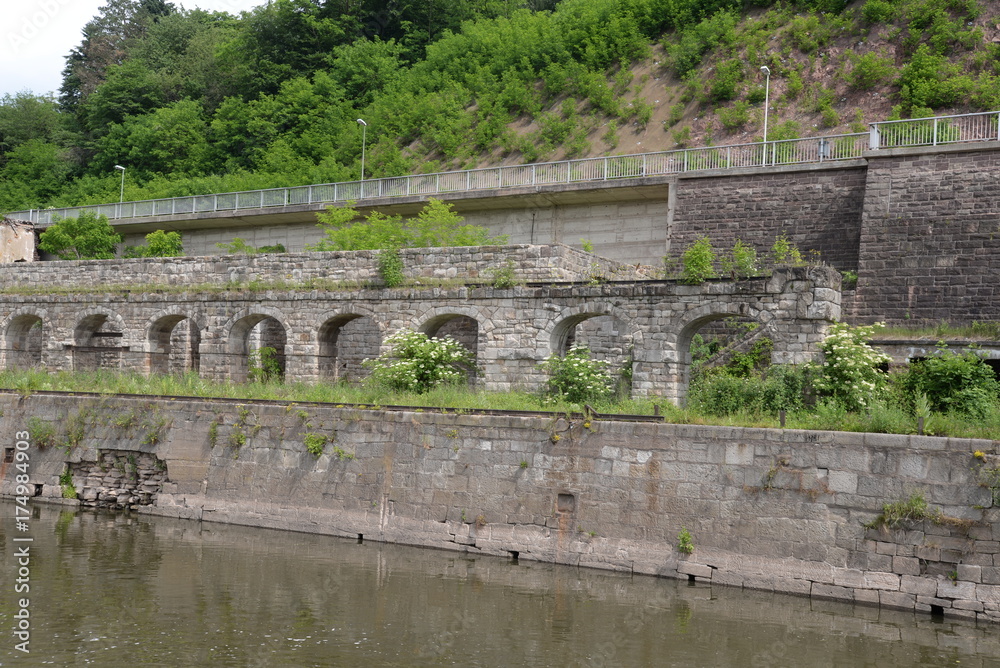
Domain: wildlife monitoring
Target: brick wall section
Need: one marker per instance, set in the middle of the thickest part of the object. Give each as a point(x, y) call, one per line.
point(818, 209)
point(930, 246)
point(776, 510)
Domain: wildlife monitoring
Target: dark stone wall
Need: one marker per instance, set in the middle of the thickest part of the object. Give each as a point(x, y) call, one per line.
point(818, 210)
point(930, 242)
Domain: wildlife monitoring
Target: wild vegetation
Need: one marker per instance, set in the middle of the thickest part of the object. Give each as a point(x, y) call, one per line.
point(196, 102)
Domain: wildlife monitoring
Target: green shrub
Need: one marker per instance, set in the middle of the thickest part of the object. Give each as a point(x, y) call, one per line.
point(785, 252)
point(851, 373)
point(577, 378)
point(735, 116)
point(158, 244)
point(697, 261)
point(878, 11)
point(870, 70)
point(952, 382)
point(782, 387)
point(86, 237)
point(728, 80)
point(418, 363)
point(741, 262)
point(263, 365)
point(390, 267)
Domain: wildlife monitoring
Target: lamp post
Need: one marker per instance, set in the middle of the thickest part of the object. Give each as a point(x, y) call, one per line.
point(121, 197)
point(364, 132)
point(767, 92)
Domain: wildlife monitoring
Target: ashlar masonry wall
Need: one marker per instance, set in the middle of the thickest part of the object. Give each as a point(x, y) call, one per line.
point(777, 510)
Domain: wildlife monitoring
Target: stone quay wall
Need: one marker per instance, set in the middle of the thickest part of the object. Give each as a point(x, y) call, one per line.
point(767, 509)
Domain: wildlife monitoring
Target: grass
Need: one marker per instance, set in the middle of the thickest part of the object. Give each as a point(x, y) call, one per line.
point(977, 331)
point(880, 419)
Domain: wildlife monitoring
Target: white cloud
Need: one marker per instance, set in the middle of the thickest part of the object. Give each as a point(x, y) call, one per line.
point(37, 35)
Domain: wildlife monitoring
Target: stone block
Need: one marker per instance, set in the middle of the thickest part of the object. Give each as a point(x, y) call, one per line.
point(969, 573)
point(849, 577)
point(832, 592)
point(921, 586)
point(896, 599)
point(876, 580)
point(956, 589)
point(906, 565)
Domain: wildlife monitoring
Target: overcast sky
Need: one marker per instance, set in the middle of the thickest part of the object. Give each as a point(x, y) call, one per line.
point(37, 35)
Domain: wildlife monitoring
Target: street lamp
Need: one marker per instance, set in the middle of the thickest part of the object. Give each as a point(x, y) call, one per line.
point(767, 91)
point(121, 197)
point(364, 132)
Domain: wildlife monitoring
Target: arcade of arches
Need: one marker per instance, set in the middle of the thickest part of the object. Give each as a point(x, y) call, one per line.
point(643, 327)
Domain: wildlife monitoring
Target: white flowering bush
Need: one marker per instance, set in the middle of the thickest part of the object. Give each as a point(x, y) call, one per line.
point(418, 363)
point(576, 377)
point(850, 373)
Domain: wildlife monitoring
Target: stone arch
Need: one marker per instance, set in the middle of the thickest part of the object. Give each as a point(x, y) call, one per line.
point(695, 319)
point(250, 331)
point(173, 340)
point(609, 334)
point(23, 338)
point(461, 324)
point(99, 339)
point(345, 339)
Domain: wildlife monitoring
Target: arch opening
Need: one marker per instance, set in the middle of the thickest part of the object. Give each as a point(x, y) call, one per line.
point(608, 338)
point(346, 341)
point(97, 343)
point(461, 328)
point(736, 342)
point(174, 343)
point(258, 349)
point(24, 340)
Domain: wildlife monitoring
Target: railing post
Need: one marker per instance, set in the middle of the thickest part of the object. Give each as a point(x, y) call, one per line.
point(873, 138)
point(499, 177)
point(643, 165)
point(685, 162)
point(336, 191)
point(309, 197)
point(533, 175)
point(934, 140)
point(604, 166)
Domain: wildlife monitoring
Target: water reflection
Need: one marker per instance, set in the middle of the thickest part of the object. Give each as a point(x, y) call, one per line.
point(120, 590)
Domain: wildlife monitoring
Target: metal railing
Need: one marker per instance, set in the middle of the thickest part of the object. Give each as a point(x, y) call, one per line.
point(934, 131)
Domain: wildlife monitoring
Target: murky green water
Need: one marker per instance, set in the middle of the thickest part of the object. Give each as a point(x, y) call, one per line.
point(118, 590)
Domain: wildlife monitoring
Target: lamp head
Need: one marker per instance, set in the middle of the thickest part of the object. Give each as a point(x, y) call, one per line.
point(362, 122)
point(119, 167)
point(765, 70)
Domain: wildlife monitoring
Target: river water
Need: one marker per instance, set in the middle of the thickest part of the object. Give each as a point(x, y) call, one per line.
point(124, 590)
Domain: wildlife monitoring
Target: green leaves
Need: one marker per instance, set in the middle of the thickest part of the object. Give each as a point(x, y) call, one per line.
point(435, 226)
point(86, 237)
point(418, 363)
point(577, 378)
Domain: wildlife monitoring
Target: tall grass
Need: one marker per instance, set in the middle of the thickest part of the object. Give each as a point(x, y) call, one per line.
point(884, 417)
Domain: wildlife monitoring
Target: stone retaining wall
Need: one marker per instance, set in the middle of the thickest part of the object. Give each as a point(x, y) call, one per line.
point(777, 510)
point(477, 264)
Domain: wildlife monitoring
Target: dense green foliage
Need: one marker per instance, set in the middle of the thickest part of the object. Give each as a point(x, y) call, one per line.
point(418, 363)
point(158, 244)
point(437, 225)
point(194, 102)
point(86, 237)
point(576, 377)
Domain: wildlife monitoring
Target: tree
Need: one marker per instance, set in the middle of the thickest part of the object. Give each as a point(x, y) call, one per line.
point(86, 237)
point(158, 244)
point(435, 226)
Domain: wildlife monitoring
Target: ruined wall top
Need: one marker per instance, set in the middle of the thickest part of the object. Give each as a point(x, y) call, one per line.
point(555, 262)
